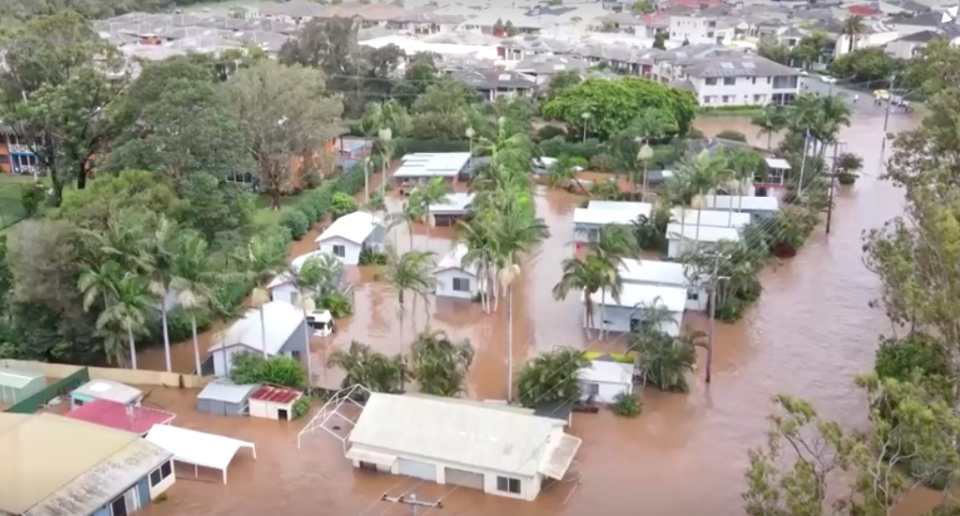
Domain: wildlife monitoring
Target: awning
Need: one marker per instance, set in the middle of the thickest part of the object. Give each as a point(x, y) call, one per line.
point(198, 448)
point(557, 457)
point(380, 459)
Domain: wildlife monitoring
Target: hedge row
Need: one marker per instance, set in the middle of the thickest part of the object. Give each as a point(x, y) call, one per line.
point(313, 206)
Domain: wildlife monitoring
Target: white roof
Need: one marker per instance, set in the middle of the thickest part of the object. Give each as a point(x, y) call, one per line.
point(704, 234)
point(653, 272)
point(285, 277)
point(633, 295)
point(594, 217)
point(197, 448)
point(454, 260)
point(641, 207)
point(282, 320)
point(110, 391)
point(607, 371)
point(354, 227)
point(453, 203)
point(432, 164)
point(714, 218)
point(474, 434)
point(777, 163)
point(744, 203)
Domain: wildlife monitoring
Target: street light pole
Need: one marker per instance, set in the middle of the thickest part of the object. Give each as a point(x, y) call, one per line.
point(586, 121)
point(886, 116)
point(714, 280)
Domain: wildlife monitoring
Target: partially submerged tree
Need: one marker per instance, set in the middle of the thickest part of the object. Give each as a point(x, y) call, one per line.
point(440, 365)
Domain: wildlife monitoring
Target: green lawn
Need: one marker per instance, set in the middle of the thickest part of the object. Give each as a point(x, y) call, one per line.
point(11, 208)
point(264, 216)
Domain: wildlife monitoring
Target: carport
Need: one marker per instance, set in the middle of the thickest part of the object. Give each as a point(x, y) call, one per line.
point(225, 399)
point(198, 448)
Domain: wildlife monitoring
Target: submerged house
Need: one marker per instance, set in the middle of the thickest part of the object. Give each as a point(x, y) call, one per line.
point(55, 465)
point(351, 234)
point(285, 327)
point(682, 239)
point(422, 167)
point(756, 207)
point(453, 278)
point(588, 221)
point(283, 288)
point(455, 206)
point(628, 314)
point(664, 274)
point(606, 377)
point(497, 449)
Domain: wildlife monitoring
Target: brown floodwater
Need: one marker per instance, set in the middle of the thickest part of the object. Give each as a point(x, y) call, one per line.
point(809, 335)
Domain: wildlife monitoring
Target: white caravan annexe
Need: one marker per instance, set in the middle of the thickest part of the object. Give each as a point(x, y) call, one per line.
point(499, 450)
point(664, 274)
point(350, 234)
point(453, 279)
point(757, 207)
point(627, 314)
point(199, 449)
point(683, 238)
point(587, 222)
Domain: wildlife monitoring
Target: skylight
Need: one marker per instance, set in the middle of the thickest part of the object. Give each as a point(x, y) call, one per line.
point(726, 66)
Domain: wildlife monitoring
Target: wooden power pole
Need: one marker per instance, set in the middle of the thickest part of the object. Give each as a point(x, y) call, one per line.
point(412, 502)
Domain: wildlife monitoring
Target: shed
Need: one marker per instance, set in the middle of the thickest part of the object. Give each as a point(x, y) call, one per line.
point(105, 390)
point(351, 234)
point(777, 172)
point(682, 238)
point(606, 377)
point(16, 385)
point(453, 279)
point(588, 221)
point(199, 449)
point(759, 207)
point(129, 418)
point(472, 444)
point(423, 166)
point(273, 402)
point(225, 399)
point(713, 218)
point(628, 314)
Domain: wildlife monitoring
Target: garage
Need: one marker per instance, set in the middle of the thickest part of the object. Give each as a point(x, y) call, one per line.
point(459, 477)
point(415, 469)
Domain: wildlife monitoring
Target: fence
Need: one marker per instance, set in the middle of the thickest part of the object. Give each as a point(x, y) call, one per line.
point(61, 387)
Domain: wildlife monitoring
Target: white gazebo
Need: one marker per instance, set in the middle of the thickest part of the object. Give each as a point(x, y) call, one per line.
point(198, 448)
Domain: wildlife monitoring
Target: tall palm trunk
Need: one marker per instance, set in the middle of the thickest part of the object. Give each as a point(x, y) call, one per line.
point(166, 333)
point(683, 228)
point(307, 355)
point(196, 344)
point(263, 333)
point(133, 349)
point(403, 310)
point(509, 343)
point(603, 313)
point(587, 316)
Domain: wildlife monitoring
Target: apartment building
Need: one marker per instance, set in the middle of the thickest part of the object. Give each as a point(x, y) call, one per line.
point(698, 29)
point(728, 79)
point(15, 157)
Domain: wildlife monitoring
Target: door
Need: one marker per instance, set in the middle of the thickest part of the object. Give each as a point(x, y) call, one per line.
point(459, 477)
point(412, 468)
point(282, 414)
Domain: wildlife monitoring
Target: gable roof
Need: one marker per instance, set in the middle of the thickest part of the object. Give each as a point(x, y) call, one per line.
point(354, 227)
point(454, 260)
point(282, 320)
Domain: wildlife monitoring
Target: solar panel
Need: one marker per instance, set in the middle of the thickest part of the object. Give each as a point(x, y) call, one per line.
point(726, 66)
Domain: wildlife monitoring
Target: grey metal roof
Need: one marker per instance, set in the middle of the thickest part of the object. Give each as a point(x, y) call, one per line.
point(490, 79)
point(732, 66)
point(226, 392)
point(17, 378)
point(549, 65)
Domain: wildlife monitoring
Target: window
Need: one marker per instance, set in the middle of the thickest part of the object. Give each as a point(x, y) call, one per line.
point(709, 99)
point(78, 403)
point(711, 81)
point(160, 474)
point(294, 298)
point(768, 80)
point(508, 485)
point(710, 34)
point(729, 81)
point(591, 389)
point(461, 284)
point(693, 295)
point(295, 355)
point(754, 80)
point(339, 250)
point(728, 99)
point(759, 99)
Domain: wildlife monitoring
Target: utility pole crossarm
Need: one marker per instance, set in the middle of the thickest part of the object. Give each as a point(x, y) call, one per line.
point(412, 502)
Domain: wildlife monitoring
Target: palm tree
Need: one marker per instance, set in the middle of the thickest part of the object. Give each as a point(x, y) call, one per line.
point(313, 276)
point(262, 260)
point(665, 360)
point(771, 121)
point(588, 276)
point(551, 377)
point(703, 174)
point(160, 261)
point(434, 192)
point(477, 236)
point(613, 245)
point(366, 367)
point(193, 279)
point(439, 364)
point(410, 272)
point(516, 233)
point(562, 171)
point(853, 27)
point(744, 165)
point(123, 312)
point(129, 312)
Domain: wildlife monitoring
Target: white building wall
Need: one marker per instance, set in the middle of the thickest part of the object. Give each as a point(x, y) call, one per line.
point(164, 484)
point(528, 492)
point(445, 284)
point(607, 391)
point(677, 246)
point(221, 368)
point(698, 31)
point(743, 91)
point(269, 410)
point(286, 293)
point(618, 319)
point(351, 249)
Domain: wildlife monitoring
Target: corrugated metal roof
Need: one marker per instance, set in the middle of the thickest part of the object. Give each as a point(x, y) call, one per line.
point(469, 434)
point(226, 392)
point(109, 390)
point(16, 378)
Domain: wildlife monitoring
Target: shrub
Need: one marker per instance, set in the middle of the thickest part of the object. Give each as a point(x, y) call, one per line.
point(695, 134)
point(179, 326)
point(31, 196)
point(342, 204)
point(558, 146)
point(336, 303)
point(736, 136)
point(602, 163)
point(301, 407)
point(846, 178)
point(279, 370)
point(313, 179)
point(627, 405)
point(308, 210)
point(548, 132)
point(371, 257)
point(899, 358)
point(296, 222)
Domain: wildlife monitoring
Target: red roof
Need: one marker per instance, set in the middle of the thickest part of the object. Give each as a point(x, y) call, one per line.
point(280, 395)
point(863, 10)
point(138, 420)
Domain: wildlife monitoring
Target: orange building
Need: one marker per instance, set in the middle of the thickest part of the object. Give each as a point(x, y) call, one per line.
point(15, 157)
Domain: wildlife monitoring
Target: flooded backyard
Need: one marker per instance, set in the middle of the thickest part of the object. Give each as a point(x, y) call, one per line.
point(809, 335)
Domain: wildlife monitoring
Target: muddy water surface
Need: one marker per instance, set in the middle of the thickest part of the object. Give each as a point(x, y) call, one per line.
point(809, 335)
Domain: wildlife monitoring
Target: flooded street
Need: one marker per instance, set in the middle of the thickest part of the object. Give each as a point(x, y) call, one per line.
point(809, 335)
